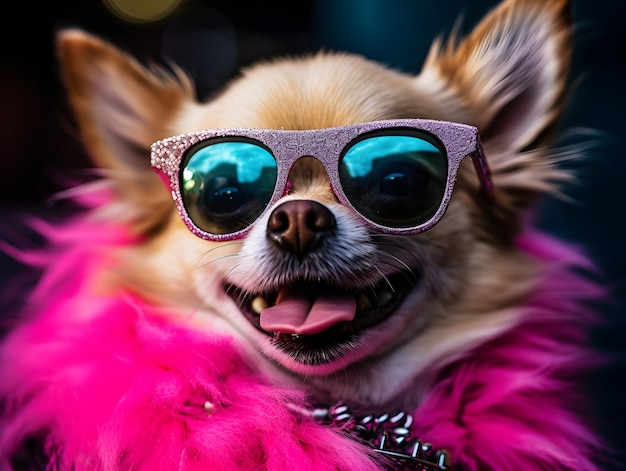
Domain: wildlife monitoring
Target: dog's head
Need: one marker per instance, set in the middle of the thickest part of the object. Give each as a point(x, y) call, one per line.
point(317, 293)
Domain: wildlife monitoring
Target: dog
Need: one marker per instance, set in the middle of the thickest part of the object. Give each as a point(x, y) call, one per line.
point(330, 265)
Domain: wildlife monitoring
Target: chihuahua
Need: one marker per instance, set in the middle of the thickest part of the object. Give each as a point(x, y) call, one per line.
point(254, 284)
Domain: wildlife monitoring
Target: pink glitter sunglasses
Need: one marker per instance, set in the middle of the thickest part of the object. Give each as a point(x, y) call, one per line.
point(397, 175)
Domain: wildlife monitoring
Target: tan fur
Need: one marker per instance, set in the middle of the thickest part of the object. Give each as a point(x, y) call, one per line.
point(473, 277)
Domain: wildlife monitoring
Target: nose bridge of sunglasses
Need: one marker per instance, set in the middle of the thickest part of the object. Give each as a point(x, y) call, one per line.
point(309, 179)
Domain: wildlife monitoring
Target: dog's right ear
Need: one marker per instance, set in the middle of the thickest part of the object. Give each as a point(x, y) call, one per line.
point(509, 77)
point(122, 107)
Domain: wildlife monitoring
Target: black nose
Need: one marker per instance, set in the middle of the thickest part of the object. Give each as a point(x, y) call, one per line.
point(300, 225)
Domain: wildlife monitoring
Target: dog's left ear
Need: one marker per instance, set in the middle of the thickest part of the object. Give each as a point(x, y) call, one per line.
point(121, 107)
point(509, 78)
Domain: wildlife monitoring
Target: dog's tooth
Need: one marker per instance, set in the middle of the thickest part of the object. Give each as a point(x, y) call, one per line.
point(258, 304)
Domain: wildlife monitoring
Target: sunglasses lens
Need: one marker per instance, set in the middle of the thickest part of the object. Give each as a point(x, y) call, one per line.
point(395, 178)
point(226, 183)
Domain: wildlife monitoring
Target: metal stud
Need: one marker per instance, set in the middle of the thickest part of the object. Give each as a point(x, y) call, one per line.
point(389, 435)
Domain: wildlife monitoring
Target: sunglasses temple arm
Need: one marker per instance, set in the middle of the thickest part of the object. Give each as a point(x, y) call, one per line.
point(164, 178)
point(482, 168)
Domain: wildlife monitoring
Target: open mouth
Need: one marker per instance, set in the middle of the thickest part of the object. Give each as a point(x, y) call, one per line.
point(316, 323)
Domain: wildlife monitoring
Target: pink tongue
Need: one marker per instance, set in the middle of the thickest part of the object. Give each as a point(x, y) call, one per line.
point(296, 312)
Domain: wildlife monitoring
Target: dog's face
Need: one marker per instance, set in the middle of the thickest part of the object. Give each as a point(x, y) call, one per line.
point(389, 309)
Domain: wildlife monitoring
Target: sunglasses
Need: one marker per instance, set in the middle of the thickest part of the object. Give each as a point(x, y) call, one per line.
point(397, 175)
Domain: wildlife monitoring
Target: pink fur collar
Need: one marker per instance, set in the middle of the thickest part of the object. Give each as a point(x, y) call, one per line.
point(122, 389)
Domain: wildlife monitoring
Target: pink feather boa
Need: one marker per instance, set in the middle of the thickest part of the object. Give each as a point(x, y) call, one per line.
point(113, 386)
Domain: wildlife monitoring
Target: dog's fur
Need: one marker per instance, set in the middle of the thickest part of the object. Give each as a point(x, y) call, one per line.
point(477, 273)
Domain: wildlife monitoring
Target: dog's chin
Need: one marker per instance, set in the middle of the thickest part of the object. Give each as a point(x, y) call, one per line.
point(335, 346)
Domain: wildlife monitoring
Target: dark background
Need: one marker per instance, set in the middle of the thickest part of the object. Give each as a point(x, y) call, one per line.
point(212, 39)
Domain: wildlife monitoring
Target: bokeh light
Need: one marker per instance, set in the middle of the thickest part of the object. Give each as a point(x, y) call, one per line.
point(141, 11)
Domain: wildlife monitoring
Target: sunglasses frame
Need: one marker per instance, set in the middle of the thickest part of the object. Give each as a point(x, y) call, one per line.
point(327, 146)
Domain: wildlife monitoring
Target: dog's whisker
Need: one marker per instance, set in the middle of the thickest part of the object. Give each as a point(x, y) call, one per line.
point(250, 279)
point(222, 245)
point(229, 289)
point(407, 268)
point(223, 257)
point(384, 277)
point(198, 262)
point(400, 262)
point(231, 271)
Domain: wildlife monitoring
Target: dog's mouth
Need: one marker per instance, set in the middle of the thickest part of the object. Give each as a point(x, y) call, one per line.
point(316, 323)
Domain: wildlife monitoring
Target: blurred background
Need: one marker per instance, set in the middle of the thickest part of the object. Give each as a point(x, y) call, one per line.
point(213, 39)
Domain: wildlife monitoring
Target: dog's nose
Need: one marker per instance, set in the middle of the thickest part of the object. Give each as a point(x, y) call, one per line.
point(300, 225)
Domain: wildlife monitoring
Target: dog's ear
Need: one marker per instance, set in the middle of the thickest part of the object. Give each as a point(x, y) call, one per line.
point(121, 107)
point(509, 78)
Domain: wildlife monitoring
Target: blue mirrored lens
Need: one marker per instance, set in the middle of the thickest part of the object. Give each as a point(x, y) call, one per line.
point(396, 180)
point(226, 183)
